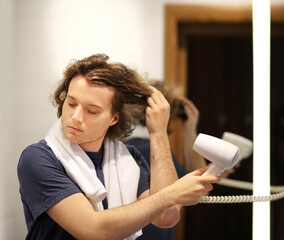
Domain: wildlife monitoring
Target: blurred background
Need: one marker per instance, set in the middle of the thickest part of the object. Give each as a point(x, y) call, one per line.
point(39, 38)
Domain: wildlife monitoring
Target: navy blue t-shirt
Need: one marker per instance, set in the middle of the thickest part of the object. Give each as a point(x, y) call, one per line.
point(44, 182)
point(151, 232)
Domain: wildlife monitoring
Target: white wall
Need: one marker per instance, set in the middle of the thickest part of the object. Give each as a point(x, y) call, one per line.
point(48, 33)
point(8, 180)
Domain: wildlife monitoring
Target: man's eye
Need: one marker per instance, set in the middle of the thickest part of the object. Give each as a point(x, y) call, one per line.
point(92, 112)
point(71, 104)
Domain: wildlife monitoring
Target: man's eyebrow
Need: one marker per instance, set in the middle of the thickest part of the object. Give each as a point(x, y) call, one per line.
point(90, 105)
point(94, 105)
point(71, 97)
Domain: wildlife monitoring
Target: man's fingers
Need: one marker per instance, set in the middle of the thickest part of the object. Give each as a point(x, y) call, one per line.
point(208, 187)
point(199, 171)
point(157, 96)
point(207, 178)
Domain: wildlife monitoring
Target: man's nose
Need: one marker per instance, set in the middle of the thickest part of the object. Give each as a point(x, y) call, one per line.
point(78, 114)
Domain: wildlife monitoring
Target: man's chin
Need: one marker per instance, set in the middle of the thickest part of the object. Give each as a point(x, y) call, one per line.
point(70, 137)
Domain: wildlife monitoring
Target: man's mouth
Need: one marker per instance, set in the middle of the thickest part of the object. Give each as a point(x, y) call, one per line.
point(74, 129)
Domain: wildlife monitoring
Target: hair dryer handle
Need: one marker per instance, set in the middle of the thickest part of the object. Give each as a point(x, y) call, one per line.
point(213, 170)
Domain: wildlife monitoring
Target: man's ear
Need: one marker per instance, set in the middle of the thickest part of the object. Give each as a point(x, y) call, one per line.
point(115, 119)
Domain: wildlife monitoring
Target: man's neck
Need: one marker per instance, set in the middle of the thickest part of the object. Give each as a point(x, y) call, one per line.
point(94, 146)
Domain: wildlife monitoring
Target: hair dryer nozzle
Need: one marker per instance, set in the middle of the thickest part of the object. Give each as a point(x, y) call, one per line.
point(222, 154)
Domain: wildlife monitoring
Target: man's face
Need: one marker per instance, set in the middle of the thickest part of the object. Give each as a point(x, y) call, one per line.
point(87, 113)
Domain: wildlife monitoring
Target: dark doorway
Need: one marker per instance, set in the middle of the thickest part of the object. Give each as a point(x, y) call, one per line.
point(220, 83)
point(277, 127)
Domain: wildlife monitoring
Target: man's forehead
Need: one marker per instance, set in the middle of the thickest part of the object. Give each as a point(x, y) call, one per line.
point(91, 83)
point(90, 94)
point(89, 104)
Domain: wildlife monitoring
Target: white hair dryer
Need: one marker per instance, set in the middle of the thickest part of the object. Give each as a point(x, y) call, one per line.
point(222, 154)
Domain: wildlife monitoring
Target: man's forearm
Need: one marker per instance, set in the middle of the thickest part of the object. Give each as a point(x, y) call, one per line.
point(136, 215)
point(163, 172)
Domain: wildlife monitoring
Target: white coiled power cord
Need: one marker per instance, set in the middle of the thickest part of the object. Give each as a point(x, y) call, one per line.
point(278, 193)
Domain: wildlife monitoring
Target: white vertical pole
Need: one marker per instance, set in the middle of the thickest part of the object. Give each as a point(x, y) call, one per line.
point(261, 116)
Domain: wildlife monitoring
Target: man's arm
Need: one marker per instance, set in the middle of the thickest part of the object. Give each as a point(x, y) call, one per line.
point(163, 171)
point(76, 215)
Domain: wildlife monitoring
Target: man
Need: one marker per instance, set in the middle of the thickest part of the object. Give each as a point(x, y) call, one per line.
point(58, 176)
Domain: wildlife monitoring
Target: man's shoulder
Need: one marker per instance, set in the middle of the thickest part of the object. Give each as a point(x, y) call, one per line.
point(142, 145)
point(38, 148)
point(133, 150)
point(137, 141)
point(37, 154)
point(137, 155)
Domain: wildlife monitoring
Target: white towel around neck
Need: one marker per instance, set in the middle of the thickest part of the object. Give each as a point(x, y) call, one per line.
point(121, 172)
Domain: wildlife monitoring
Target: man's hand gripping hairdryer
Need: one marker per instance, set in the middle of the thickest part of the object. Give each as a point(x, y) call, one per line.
point(222, 154)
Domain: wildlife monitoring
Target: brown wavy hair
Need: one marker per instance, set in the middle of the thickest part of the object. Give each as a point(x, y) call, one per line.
point(131, 91)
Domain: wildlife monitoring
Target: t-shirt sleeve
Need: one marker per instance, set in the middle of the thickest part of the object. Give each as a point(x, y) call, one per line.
point(43, 180)
point(144, 181)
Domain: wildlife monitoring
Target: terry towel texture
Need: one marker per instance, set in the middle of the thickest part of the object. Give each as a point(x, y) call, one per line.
point(121, 172)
